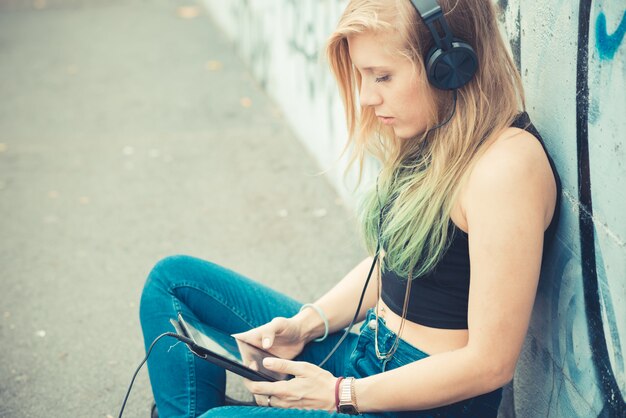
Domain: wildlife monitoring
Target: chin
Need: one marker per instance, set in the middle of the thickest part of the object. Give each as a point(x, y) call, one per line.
point(408, 133)
point(403, 134)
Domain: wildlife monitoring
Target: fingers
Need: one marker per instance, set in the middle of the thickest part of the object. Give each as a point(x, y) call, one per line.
point(301, 392)
point(274, 327)
point(271, 401)
point(256, 388)
point(264, 335)
point(295, 368)
point(249, 384)
point(262, 400)
point(265, 388)
point(246, 337)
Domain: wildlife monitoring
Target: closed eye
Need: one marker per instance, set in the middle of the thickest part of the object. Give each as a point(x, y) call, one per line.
point(382, 79)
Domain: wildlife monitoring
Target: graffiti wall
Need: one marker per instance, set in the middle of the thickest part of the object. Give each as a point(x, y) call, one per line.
point(572, 57)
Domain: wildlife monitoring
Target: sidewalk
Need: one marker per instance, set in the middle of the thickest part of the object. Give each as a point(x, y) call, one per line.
point(130, 131)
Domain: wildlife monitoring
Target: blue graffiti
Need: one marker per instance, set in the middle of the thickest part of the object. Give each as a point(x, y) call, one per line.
point(607, 44)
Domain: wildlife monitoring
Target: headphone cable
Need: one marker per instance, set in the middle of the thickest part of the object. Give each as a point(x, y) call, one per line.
point(358, 309)
point(356, 314)
point(454, 94)
point(369, 275)
point(165, 334)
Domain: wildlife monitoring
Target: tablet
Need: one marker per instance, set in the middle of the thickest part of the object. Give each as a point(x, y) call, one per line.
point(223, 350)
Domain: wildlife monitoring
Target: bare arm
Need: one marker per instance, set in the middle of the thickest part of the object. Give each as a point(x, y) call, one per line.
point(510, 201)
point(340, 303)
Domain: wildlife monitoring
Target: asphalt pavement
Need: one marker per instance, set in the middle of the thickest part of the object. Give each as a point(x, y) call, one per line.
point(130, 131)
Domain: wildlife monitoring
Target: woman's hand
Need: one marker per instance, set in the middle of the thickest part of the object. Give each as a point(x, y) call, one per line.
point(282, 337)
point(311, 388)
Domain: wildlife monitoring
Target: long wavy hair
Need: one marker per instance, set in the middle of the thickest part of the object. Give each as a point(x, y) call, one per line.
point(421, 177)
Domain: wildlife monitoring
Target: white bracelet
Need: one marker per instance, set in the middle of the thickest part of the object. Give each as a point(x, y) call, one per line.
point(323, 315)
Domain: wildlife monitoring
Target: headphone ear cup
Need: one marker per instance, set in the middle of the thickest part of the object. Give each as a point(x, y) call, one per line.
point(451, 69)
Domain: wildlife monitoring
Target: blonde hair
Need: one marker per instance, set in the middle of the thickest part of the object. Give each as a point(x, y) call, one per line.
point(420, 177)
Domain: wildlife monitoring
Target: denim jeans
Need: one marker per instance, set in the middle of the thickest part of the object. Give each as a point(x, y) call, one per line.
point(186, 386)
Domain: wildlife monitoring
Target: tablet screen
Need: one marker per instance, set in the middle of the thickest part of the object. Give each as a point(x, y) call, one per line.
point(227, 346)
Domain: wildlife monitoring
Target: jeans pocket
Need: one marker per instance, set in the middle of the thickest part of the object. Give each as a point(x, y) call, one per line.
point(358, 357)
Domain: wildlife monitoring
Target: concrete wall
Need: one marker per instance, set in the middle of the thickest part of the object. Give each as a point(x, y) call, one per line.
point(571, 57)
point(281, 40)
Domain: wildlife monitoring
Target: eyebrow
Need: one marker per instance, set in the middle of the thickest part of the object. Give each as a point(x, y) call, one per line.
point(374, 68)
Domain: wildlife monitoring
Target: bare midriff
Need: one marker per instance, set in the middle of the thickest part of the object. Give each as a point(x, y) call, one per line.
point(429, 340)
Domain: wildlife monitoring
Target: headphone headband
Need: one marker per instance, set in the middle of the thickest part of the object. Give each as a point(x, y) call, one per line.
point(430, 12)
point(426, 8)
point(451, 63)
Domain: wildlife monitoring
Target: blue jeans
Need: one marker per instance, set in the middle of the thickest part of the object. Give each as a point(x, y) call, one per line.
point(187, 386)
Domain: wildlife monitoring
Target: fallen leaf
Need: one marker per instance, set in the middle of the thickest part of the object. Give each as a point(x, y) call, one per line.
point(3, 147)
point(213, 65)
point(245, 102)
point(188, 12)
point(7, 314)
point(84, 200)
point(53, 194)
point(39, 4)
point(72, 69)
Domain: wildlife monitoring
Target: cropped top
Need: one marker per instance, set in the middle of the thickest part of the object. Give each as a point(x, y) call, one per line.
point(439, 299)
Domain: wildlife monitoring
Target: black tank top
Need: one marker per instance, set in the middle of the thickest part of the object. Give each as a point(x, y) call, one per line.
point(439, 299)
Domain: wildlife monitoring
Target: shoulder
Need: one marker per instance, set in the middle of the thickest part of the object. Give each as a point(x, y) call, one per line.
point(515, 155)
point(513, 171)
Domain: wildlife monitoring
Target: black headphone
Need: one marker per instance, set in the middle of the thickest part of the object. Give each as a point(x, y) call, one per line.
point(451, 63)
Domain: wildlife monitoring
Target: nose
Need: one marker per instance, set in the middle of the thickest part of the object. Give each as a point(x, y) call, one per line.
point(368, 94)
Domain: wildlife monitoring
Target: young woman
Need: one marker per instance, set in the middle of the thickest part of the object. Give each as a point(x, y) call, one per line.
point(457, 222)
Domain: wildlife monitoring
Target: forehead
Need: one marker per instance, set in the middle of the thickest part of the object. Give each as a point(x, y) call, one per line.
point(371, 51)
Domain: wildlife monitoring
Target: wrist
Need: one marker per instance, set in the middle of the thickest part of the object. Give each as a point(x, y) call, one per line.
point(347, 397)
point(337, 383)
point(312, 324)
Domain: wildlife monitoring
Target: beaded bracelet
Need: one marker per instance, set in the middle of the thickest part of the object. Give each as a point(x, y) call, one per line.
point(322, 315)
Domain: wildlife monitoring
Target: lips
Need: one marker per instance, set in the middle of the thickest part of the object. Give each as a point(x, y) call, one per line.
point(385, 119)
